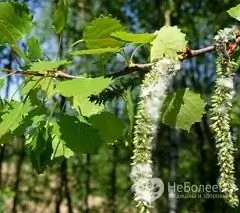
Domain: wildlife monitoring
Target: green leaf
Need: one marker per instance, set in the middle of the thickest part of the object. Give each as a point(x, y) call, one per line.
point(34, 49)
point(39, 148)
point(169, 41)
point(60, 15)
point(83, 138)
point(58, 145)
point(47, 65)
point(96, 51)
point(14, 116)
point(49, 87)
point(83, 86)
point(29, 84)
point(15, 22)
point(134, 38)
point(86, 107)
point(235, 12)
point(98, 33)
point(81, 89)
point(19, 52)
point(2, 81)
point(109, 126)
point(182, 109)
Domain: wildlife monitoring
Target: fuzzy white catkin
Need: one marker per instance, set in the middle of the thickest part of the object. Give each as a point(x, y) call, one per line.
point(153, 94)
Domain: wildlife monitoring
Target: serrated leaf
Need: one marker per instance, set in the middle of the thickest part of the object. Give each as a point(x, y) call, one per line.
point(13, 117)
point(81, 89)
point(39, 148)
point(47, 65)
point(15, 22)
point(182, 109)
point(2, 81)
point(49, 87)
point(83, 138)
point(58, 145)
point(134, 38)
point(109, 126)
point(83, 86)
point(60, 15)
point(29, 85)
point(235, 12)
point(86, 107)
point(96, 51)
point(98, 33)
point(169, 41)
point(19, 52)
point(34, 49)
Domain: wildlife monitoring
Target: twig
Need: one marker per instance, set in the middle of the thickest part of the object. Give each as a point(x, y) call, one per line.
point(51, 74)
point(187, 54)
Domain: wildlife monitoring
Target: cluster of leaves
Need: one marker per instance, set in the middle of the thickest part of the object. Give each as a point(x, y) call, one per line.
point(53, 129)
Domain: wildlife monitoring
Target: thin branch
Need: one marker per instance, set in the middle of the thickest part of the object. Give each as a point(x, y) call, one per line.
point(189, 53)
point(51, 74)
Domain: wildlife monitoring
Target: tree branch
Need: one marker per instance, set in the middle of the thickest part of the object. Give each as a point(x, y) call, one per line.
point(51, 74)
point(189, 53)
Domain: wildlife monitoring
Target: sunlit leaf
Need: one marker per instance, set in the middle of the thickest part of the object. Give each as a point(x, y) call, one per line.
point(169, 41)
point(96, 51)
point(60, 15)
point(1, 82)
point(13, 116)
point(58, 145)
point(235, 12)
point(81, 89)
point(182, 109)
point(47, 65)
point(34, 49)
point(98, 33)
point(15, 22)
point(134, 38)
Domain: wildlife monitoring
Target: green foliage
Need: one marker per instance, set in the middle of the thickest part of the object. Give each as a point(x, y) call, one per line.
point(112, 128)
point(13, 116)
point(1, 82)
point(182, 109)
point(39, 148)
point(42, 66)
point(86, 139)
point(15, 22)
point(34, 49)
point(116, 89)
point(60, 15)
point(134, 38)
point(235, 12)
point(80, 90)
point(98, 33)
point(96, 51)
point(163, 46)
point(28, 85)
point(59, 146)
